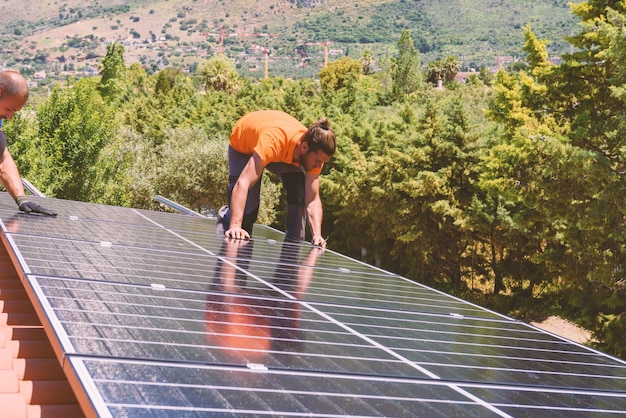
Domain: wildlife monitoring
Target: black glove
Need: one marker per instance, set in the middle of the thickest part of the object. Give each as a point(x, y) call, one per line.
point(27, 206)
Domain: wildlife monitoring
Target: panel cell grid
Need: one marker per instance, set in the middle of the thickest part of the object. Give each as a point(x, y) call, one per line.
point(157, 314)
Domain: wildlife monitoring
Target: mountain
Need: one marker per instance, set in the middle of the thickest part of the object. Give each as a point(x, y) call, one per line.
point(58, 36)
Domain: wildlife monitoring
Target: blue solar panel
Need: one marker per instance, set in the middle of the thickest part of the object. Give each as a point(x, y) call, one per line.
point(155, 314)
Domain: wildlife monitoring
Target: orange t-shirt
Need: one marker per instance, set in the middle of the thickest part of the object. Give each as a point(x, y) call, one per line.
point(272, 134)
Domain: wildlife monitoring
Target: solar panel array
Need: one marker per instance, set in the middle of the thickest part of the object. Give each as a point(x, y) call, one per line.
point(156, 314)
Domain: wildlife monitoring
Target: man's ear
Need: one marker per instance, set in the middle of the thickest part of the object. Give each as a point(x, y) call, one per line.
point(304, 147)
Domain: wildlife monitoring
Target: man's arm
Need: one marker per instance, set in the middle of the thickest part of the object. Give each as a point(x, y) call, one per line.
point(10, 176)
point(313, 205)
point(249, 176)
point(12, 182)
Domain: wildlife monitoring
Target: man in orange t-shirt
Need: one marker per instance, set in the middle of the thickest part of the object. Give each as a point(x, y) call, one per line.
point(277, 141)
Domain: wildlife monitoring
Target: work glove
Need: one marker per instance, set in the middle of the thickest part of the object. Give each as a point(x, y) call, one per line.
point(27, 206)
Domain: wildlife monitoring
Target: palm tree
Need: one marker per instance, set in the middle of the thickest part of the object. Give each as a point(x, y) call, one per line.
point(367, 62)
point(451, 67)
point(219, 74)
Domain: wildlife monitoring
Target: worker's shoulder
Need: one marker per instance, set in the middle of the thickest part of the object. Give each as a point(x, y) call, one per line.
point(270, 116)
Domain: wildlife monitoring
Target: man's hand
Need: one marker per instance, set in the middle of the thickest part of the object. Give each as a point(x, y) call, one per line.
point(237, 233)
point(318, 241)
point(27, 206)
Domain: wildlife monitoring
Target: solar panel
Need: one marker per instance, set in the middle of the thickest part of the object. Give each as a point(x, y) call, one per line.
point(156, 314)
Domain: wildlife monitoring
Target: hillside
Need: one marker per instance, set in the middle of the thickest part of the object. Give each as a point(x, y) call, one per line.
point(71, 34)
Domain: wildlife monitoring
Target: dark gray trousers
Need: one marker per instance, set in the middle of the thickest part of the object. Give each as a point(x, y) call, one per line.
point(292, 178)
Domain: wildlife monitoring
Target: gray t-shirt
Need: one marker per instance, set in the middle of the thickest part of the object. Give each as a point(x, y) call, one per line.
point(3, 141)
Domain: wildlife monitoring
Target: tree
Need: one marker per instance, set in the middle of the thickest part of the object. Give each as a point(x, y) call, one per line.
point(339, 74)
point(451, 66)
point(194, 170)
point(73, 126)
point(444, 70)
point(514, 219)
point(346, 89)
point(406, 71)
point(537, 57)
point(437, 189)
point(219, 74)
point(435, 72)
point(560, 167)
point(113, 74)
point(367, 62)
point(486, 76)
point(594, 113)
point(167, 78)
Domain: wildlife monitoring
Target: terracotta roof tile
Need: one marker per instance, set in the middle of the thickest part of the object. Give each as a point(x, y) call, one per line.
point(32, 383)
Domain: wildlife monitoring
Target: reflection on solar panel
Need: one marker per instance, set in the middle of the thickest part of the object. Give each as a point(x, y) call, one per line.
point(155, 314)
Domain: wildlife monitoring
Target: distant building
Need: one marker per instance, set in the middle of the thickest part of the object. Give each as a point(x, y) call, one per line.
point(462, 76)
point(504, 60)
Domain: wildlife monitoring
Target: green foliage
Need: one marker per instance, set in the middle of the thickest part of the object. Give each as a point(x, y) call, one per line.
point(21, 136)
point(610, 332)
point(345, 89)
point(507, 190)
point(486, 76)
point(444, 70)
point(537, 55)
point(166, 79)
point(127, 163)
point(73, 125)
point(558, 170)
point(406, 70)
point(339, 74)
point(367, 62)
point(219, 74)
point(193, 169)
point(167, 99)
point(113, 71)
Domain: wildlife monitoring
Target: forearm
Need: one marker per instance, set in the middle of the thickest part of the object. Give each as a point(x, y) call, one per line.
point(12, 182)
point(314, 215)
point(10, 176)
point(249, 176)
point(237, 205)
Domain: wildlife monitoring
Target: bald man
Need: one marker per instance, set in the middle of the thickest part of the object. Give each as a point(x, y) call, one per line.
point(13, 96)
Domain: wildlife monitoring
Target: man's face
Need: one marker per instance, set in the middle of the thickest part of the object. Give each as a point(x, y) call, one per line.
point(312, 160)
point(9, 105)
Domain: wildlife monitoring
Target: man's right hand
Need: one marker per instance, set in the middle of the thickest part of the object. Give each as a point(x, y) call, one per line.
point(237, 233)
point(30, 207)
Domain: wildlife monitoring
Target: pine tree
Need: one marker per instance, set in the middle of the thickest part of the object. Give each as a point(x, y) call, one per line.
point(407, 75)
point(113, 74)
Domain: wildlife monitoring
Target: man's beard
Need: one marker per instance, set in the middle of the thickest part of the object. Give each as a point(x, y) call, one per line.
point(302, 162)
